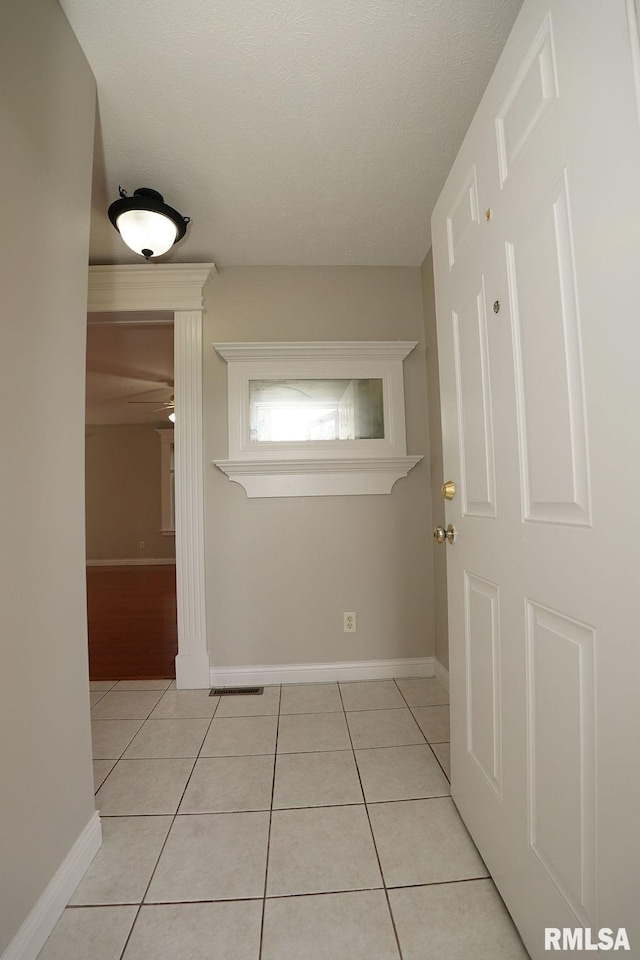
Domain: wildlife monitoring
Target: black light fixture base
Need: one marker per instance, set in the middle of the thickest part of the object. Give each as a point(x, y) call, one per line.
point(144, 198)
point(146, 192)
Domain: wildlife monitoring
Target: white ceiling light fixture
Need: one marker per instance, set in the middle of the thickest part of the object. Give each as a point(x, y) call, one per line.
point(147, 224)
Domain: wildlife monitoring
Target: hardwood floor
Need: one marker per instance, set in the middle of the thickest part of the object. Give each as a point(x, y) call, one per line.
point(132, 622)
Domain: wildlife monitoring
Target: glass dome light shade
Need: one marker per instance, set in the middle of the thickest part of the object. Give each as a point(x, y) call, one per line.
point(145, 230)
point(147, 224)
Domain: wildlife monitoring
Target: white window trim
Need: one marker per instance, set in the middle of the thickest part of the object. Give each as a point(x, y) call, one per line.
point(320, 468)
point(166, 449)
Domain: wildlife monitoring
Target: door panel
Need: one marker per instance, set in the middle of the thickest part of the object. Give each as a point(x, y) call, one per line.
point(463, 218)
point(561, 751)
point(482, 632)
point(475, 425)
point(530, 97)
point(548, 362)
point(541, 216)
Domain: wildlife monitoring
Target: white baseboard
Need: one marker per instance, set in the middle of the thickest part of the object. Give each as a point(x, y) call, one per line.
point(32, 935)
point(441, 674)
point(130, 563)
point(264, 675)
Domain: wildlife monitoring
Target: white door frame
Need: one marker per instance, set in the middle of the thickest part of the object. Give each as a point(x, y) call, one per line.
point(176, 288)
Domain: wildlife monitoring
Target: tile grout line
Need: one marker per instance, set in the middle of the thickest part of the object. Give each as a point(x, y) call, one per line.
point(164, 843)
point(133, 692)
point(245, 756)
point(284, 896)
point(271, 810)
point(139, 730)
point(373, 839)
point(266, 865)
point(438, 761)
point(428, 742)
point(92, 705)
point(317, 806)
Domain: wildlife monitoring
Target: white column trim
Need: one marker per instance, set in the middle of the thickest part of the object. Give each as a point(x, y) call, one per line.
point(192, 662)
point(176, 288)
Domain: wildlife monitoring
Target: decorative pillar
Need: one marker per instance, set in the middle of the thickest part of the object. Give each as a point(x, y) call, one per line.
point(192, 662)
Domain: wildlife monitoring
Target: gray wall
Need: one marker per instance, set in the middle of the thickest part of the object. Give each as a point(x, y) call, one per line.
point(437, 477)
point(123, 494)
point(46, 130)
point(280, 572)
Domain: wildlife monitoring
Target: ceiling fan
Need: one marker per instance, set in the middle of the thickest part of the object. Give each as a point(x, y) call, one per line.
point(165, 404)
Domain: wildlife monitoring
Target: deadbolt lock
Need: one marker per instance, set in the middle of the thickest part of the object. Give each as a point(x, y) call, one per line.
point(448, 489)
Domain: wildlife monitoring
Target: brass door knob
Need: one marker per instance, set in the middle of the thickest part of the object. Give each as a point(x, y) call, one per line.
point(448, 489)
point(440, 534)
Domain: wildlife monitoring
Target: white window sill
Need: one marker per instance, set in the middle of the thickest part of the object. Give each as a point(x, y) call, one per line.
point(317, 478)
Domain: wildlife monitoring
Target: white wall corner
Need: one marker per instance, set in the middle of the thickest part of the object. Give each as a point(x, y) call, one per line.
point(193, 671)
point(267, 674)
point(32, 935)
point(441, 674)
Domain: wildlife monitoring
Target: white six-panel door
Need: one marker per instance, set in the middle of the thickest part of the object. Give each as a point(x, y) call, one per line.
point(536, 241)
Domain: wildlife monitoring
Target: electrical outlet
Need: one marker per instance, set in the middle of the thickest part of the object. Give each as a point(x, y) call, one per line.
point(349, 622)
point(142, 544)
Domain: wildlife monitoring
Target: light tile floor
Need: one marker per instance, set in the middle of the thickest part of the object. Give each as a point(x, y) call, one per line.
point(311, 823)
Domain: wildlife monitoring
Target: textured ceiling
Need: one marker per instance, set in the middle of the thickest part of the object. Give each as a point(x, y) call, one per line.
point(290, 131)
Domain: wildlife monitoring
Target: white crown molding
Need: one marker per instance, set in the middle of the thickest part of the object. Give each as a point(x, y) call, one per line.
point(317, 478)
point(264, 675)
point(32, 935)
point(157, 286)
point(317, 350)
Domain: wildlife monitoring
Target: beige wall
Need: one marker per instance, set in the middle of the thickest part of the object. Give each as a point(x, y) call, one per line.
point(46, 130)
point(281, 572)
point(123, 494)
point(437, 477)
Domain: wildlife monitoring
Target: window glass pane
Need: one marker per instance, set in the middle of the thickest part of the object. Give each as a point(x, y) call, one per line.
point(308, 410)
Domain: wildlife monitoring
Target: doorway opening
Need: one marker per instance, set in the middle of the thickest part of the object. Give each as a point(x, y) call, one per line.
point(130, 504)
